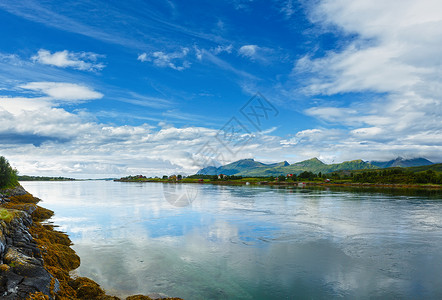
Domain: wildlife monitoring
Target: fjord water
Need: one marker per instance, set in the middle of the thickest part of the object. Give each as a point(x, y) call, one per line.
point(243, 242)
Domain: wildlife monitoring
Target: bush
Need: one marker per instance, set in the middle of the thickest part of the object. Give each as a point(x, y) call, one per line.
point(8, 175)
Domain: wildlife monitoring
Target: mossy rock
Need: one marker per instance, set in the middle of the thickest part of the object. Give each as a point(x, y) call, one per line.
point(26, 207)
point(41, 214)
point(86, 288)
point(26, 198)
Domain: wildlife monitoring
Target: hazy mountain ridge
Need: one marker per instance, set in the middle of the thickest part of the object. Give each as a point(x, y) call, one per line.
point(250, 167)
point(402, 162)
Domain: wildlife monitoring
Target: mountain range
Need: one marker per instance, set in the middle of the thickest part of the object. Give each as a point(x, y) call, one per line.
point(250, 167)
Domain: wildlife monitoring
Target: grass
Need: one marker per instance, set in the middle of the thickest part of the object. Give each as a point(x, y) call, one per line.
point(5, 215)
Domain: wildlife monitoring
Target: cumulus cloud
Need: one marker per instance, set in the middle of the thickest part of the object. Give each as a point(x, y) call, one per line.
point(85, 61)
point(163, 60)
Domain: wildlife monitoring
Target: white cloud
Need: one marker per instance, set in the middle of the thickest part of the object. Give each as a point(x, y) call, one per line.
point(143, 57)
point(367, 132)
point(15, 105)
point(394, 55)
point(333, 114)
point(257, 53)
point(85, 61)
point(249, 51)
point(397, 47)
point(162, 59)
point(63, 90)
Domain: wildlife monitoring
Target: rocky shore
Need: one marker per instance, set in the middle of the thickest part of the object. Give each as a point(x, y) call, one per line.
point(35, 259)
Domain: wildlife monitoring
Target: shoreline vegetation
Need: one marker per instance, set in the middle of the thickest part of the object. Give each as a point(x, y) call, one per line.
point(43, 178)
point(255, 181)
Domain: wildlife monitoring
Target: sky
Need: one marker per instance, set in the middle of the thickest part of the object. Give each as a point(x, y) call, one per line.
point(93, 89)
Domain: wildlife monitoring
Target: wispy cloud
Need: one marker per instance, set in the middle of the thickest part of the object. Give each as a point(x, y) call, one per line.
point(288, 8)
point(108, 27)
point(85, 61)
point(209, 56)
point(242, 4)
point(162, 59)
point(142, 100)
point(222, 48)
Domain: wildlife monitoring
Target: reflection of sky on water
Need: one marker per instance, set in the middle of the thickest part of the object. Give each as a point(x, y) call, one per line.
point(251, 242)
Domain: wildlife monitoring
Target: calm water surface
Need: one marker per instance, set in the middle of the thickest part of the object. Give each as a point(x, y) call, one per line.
point(238, 242)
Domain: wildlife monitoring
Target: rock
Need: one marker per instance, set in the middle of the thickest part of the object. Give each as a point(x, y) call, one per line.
point(22, 272)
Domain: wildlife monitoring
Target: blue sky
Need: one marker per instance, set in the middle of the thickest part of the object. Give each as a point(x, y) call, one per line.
point(111, 88)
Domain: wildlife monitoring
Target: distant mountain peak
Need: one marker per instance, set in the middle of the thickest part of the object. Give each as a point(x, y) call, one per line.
point(402, 162)
point(308, 162)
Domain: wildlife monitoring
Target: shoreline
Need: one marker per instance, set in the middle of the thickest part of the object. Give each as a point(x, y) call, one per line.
point(36, 259)
point(297, 184)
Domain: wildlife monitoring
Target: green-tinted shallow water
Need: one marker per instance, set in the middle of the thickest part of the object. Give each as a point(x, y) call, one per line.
point(239, 242)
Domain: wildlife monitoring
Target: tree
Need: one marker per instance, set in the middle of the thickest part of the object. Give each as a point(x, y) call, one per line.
point(307, 175)
point(165, 177)
point(8, 175)
point(179, 177)
point(281, 178)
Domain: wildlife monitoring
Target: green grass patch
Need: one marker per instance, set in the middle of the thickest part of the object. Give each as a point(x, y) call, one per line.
point(5, 215)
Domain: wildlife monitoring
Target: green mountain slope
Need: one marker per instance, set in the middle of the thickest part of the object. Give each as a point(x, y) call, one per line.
point(433, 167)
